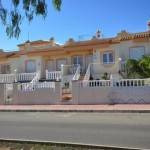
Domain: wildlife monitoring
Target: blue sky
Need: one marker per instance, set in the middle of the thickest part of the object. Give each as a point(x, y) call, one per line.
point(83, 17)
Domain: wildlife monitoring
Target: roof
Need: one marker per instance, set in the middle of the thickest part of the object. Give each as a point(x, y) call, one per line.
point(34, 42)
point(122, 36)
point(7, 54)
point(131, 36)
point(73, 45)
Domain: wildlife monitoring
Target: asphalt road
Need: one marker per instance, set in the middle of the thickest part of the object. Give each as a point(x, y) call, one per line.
point(110, 129)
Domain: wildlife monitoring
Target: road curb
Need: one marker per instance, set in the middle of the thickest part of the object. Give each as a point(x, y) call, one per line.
point(67, 144)
point(90, 111)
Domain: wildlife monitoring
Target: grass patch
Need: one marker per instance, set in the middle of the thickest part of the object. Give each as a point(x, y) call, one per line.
point(27, 146)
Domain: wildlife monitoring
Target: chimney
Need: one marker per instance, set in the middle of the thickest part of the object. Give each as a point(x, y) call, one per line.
point(99, 34)
point(27, 43)
point(148, 25)
point(52, 41)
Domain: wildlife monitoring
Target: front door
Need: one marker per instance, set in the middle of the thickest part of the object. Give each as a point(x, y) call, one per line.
point(30, 66)
point(50, 65)
point(61, 62)
point(77, 60)
point(89, 60)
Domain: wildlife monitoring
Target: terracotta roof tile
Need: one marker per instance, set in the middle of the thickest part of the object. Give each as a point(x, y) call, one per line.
point(122, 36)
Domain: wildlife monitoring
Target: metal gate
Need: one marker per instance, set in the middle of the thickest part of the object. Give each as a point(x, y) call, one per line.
point(66, 87)
point(9, 93)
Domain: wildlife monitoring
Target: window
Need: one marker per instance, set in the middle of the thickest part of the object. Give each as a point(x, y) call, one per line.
point(77, 60)
point(136, 52)
point(108, 58)
point(30, 66)
point(5, 69)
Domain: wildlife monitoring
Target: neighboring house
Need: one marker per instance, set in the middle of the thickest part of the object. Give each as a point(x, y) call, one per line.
point(103, 54)
point(7, 63)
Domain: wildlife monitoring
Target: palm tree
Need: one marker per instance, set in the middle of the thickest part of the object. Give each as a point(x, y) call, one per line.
point(144, 64)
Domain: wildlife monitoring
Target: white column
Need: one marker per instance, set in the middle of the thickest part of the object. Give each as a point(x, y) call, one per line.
point(46, 74)
point(111, 80)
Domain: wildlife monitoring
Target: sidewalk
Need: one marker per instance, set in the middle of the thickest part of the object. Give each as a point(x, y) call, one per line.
point(124, 108)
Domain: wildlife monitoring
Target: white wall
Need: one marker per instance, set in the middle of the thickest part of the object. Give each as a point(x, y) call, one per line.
point(2, 94)
point(42, 96)
point(24, 58)
point(93, 96)
point(113, 47)
point(126, 45)
point(14, 64)
point(19, 63)
point(110, 95)
point(130, 95)
point(121, 49)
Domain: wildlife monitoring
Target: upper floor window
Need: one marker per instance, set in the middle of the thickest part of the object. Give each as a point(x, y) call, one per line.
point(108, 58)
point(5, 69)
point(136, 52)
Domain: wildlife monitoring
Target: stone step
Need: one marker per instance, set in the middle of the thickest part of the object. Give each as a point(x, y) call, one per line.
point(81, 77)
point(66, 97)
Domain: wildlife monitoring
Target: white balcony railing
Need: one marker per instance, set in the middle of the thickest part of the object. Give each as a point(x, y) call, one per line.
point(95, 83)
point(7, 78)
point(53, 75)
point(25, 76)
point(32, 86)
point(36, 78)
point(27, 86)
point(113, 83)
point(132, 82)
point(45, 85)
point(87, 74)
point(77, 73)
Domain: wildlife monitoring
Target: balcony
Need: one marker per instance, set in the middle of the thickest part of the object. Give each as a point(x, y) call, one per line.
point(10, 78)
point(96, 70)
